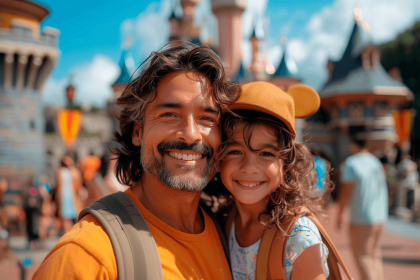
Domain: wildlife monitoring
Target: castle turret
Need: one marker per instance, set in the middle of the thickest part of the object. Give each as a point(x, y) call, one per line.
point(121, 82)
point(176, 27)
point(187, 21)
point(229, 13)
point(257, 66)
point(283, 76)
point(27, 58)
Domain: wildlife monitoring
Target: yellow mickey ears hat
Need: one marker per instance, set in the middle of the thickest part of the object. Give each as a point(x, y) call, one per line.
point(299, 101)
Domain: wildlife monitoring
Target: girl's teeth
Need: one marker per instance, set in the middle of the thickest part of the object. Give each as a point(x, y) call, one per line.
point(249, 185)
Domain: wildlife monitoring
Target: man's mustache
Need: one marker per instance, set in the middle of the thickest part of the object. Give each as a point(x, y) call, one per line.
point(198, 148)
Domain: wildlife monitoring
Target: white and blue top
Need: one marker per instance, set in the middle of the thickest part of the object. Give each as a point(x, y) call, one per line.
point(304, 234)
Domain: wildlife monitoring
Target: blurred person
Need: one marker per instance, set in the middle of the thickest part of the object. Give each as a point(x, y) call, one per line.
point(93, 180)
point(321, 167)
point(3, 217)
point(363, 184)
point(32, 206)
point(408, 180)
point(391, 175)
point(65, 194)
point(111, 180)
point(46, 209)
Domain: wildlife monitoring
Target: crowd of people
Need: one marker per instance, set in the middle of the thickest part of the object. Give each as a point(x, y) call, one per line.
point(51, 209)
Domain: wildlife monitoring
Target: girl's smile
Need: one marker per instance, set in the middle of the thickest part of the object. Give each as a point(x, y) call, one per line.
point(252, 175)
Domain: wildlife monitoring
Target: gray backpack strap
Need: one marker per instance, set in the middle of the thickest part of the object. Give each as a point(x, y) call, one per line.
point(134, 246)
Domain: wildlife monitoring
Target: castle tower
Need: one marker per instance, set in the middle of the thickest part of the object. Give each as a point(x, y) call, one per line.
point(229, 13)
point(176, 25)
point(257, 65)
point(283, 77)
point(187, 21)
point(27, 58)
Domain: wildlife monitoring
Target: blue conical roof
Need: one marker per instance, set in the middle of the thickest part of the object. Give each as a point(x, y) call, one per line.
point(359, 40)
point(348, 74)
point(282, 70)
point(241, 73)
point(125, 76)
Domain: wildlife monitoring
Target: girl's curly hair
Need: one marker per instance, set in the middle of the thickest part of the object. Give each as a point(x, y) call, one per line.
point(298, 185)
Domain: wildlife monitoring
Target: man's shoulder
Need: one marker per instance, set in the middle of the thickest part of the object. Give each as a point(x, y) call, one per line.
point(89, 234)
point(85, 245)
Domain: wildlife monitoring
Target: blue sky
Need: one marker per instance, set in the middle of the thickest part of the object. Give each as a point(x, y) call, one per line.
point(92, 27)
point(92, 32)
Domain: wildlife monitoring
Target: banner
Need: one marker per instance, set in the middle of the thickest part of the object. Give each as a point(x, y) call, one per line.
point(403, 123)
point(69, 124)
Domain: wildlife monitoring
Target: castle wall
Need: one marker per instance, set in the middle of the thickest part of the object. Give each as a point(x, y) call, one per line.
point(21, 132)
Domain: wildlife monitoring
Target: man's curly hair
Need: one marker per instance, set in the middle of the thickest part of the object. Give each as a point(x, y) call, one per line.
point(297, 189)
point(143, 89)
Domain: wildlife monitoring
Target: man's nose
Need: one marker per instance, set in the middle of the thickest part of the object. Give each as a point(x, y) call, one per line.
point(190, 131)
point(249, 164)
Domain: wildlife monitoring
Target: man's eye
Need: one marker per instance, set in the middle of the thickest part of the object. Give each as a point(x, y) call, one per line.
point(234, 152)
point(267, 154)
point(208, 119)
point(168, 115)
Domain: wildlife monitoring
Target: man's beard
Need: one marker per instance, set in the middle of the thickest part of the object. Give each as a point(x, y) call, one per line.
point(182, 182)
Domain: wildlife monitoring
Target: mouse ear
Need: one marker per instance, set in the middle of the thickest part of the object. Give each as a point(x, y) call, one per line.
point(306, 99)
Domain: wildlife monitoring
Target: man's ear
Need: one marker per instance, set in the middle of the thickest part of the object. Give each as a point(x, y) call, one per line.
point(136, 136)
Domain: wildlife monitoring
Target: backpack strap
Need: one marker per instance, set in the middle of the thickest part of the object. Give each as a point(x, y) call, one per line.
point(334, 259)
point(130, 236)
point(273, 238)
point(222, 236)
point(270, 255)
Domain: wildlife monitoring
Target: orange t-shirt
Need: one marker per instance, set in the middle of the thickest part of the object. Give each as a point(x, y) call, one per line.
point(86, 252)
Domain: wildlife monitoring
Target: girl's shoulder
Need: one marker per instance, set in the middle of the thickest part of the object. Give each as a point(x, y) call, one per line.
point(303, 235)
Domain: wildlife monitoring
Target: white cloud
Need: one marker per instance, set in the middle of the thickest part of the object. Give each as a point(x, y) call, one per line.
point(329, 31)
point(92, 81)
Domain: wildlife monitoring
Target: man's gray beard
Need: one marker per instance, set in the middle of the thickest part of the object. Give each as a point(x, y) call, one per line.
point(180, 182)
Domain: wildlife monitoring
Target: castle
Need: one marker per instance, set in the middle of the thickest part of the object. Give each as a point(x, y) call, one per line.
point(27, 57)
point(357, 99)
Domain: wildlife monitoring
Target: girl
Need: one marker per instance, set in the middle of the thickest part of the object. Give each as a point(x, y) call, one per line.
point(269, 176)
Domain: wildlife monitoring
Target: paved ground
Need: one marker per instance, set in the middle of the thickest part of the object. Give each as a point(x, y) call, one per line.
point(400, 249)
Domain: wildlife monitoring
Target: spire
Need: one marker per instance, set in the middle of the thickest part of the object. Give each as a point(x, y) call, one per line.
point(260, 36)
point(241, 73)
point(125, 76)
point(359, 40)
point(282, 70)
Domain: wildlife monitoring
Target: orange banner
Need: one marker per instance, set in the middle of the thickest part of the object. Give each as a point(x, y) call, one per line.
point(69, 124)
point(403, 123)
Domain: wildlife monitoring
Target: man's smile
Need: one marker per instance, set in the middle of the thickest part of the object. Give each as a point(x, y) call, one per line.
point(186, 155)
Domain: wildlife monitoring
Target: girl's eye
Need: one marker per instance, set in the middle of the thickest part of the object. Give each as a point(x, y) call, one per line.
point(234, 152)
point(267, 154)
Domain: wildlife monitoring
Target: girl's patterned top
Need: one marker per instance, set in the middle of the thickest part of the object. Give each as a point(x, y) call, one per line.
point(304, 234)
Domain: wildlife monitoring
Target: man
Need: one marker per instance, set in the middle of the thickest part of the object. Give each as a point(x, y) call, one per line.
point(363, 183)
point(170, 134)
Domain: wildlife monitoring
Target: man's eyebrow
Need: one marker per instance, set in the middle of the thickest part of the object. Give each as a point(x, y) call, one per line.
point(168, 105)
point(209, 109)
